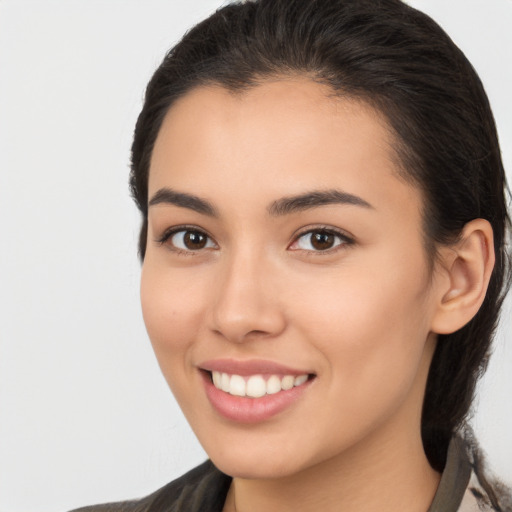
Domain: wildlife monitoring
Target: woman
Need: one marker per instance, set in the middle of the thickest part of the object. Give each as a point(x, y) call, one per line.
point(324, 260)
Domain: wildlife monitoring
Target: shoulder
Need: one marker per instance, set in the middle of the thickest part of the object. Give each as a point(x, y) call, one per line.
point(202, 488)
point(496, 498)
point(484, 491)
point(466, 484)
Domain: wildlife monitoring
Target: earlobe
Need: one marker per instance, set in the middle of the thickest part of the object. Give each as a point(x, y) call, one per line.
point(467, 265)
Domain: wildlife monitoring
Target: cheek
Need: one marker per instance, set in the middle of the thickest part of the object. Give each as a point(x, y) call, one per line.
point(358, 300)
point(371, 327)
point(172, 309)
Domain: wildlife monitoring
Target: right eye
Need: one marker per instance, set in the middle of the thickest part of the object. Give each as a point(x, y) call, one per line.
point(188, 240)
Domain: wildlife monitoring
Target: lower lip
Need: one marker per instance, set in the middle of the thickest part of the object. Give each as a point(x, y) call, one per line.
point(251, 410)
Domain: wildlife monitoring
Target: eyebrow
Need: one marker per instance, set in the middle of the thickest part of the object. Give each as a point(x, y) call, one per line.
point(313, 199)
point(283, 206)
point(184, 200)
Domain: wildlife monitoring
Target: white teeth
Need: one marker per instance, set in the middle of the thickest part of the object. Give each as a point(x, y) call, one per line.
point(300, 380)
point(273, 385)
point(287, 382)
point(237, 385)
point(225, 382)
point(255, 386)
point(217, 380)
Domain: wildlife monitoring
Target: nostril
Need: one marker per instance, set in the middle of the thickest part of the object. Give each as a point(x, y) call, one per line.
point(257, 333)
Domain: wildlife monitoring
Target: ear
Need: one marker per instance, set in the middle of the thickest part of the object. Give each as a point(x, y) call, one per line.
point(465, 269)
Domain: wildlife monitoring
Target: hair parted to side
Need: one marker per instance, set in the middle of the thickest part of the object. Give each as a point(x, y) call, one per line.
point(402, 63)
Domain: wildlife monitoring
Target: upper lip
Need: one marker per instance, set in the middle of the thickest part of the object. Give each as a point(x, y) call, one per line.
point(250, 367)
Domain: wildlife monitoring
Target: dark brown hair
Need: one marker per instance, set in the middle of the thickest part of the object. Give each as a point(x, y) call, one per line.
point(401, 62)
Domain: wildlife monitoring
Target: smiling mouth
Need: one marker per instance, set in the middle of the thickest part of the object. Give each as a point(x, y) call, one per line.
point(249, 392)
point(256, 386)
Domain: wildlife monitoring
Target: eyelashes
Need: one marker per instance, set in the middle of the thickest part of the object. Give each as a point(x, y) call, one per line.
point(187, 239)
point(318, 240)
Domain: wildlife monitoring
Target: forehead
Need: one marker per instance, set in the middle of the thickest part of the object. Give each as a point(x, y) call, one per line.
point(277, 138)
point(291, 105)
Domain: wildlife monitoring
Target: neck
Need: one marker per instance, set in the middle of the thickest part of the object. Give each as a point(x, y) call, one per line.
point(384, 475)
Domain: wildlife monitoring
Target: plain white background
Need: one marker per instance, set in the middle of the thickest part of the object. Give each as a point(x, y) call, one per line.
point(85, 416)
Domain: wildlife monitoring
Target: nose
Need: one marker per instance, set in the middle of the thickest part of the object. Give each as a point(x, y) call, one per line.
point(246, 304)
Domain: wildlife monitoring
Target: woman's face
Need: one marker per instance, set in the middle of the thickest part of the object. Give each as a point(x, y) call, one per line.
point(285, 259)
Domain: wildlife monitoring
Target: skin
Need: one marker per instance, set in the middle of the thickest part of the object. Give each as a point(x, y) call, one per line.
point(360, 316)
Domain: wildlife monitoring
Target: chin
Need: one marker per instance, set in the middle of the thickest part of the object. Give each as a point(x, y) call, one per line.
point(259, 459)
point(254, 468)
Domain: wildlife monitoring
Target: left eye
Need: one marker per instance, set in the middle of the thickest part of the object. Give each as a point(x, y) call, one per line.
point(191, 240)
point(318, 240)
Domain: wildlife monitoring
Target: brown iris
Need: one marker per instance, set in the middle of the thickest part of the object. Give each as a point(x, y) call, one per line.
point(322, 240)
point(194, 240)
